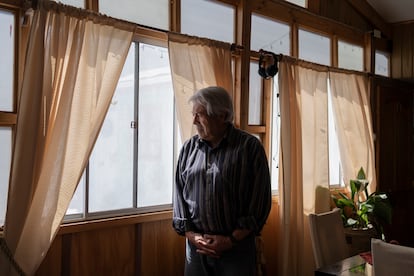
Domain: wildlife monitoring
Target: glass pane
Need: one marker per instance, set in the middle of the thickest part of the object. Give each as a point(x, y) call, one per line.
point(153, 13)
point(335, 172)
point(111, 162)
point(208, 19)
point(301, 3)
point(155, 127)
point(314, 47)
point(255, 95)
point(350, 56)
point(382, 63)
point(5, 161)
point(77, 205)
point(74, 3)
point(7, 33)
point(275, 135)
point(270, 35)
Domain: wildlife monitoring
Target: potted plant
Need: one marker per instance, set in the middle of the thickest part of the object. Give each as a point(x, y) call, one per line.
point(363, 214)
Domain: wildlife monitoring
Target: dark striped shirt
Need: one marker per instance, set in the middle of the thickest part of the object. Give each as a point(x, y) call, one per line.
point(221, 189)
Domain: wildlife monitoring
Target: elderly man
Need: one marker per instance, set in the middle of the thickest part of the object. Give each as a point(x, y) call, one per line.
point(222, 191)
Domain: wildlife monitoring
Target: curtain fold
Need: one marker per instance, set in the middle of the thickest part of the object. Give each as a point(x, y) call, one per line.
point(303, 162)
point(73, 64)
point(352, 115)
point(196, 63)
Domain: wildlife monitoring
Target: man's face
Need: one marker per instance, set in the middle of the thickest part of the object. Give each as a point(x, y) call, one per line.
point(208, 128)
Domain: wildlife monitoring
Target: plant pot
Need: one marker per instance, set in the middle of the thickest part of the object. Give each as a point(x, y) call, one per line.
point(359, 240)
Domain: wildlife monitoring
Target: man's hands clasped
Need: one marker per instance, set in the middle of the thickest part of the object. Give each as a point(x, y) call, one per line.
point(210, 245)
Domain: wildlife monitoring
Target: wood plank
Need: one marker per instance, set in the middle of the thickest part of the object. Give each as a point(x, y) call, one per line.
point(51, 265)
point(114, 221)
point(7, 118)
point(104, 252)
point(160, 244)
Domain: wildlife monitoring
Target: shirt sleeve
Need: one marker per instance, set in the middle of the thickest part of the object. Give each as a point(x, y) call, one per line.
point(260, 200)
point(181, 218)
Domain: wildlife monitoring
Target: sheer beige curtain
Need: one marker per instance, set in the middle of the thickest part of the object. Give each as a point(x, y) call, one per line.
point(73, 64)
point(196, 63)
point(352, 113)
point(303, 174)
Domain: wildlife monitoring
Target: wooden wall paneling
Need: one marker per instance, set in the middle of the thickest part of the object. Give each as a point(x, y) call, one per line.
point(407, 50)
point(403, 52)
point(51, 265)
point(270, 240)
point(109, 251)
point(66, 254)
point(395, 147)
point(396, 56)
point(162, 250)
point(395, 135)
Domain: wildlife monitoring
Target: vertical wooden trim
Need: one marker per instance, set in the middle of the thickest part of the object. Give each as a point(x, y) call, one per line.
point(243, 28)
point(334, 51)
point(175, 15)
point(92, 5)
point(66, 255)
point(369, 53)
point(267, 114)
point(294, 40)
point(138, 249)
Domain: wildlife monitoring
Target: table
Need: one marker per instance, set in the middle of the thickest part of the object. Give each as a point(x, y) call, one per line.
point(355, 265)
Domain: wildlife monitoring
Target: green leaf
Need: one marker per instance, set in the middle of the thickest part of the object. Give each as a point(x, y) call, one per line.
point(344, 195)
point(351, 222)
point(361, 174)
point(341, 202)
point(355, 186)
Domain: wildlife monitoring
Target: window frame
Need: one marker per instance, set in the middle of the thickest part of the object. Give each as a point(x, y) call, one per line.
point(159, 39)
point(278, 11)
point(8, 119)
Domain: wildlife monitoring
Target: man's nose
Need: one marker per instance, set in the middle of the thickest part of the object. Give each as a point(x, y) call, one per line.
point(195, 118)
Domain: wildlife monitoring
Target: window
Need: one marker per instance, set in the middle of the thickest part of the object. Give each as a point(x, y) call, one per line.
point(153, 13)
point(270, 35)
point(382, 63)
point(350, 56)
point(301, 3)
point(132, 163)
point(275, 137)
point(208, 19)
point(314, 47)
point(7, 38)
point(255, 96)
point(7, 102)
point(335, 171)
